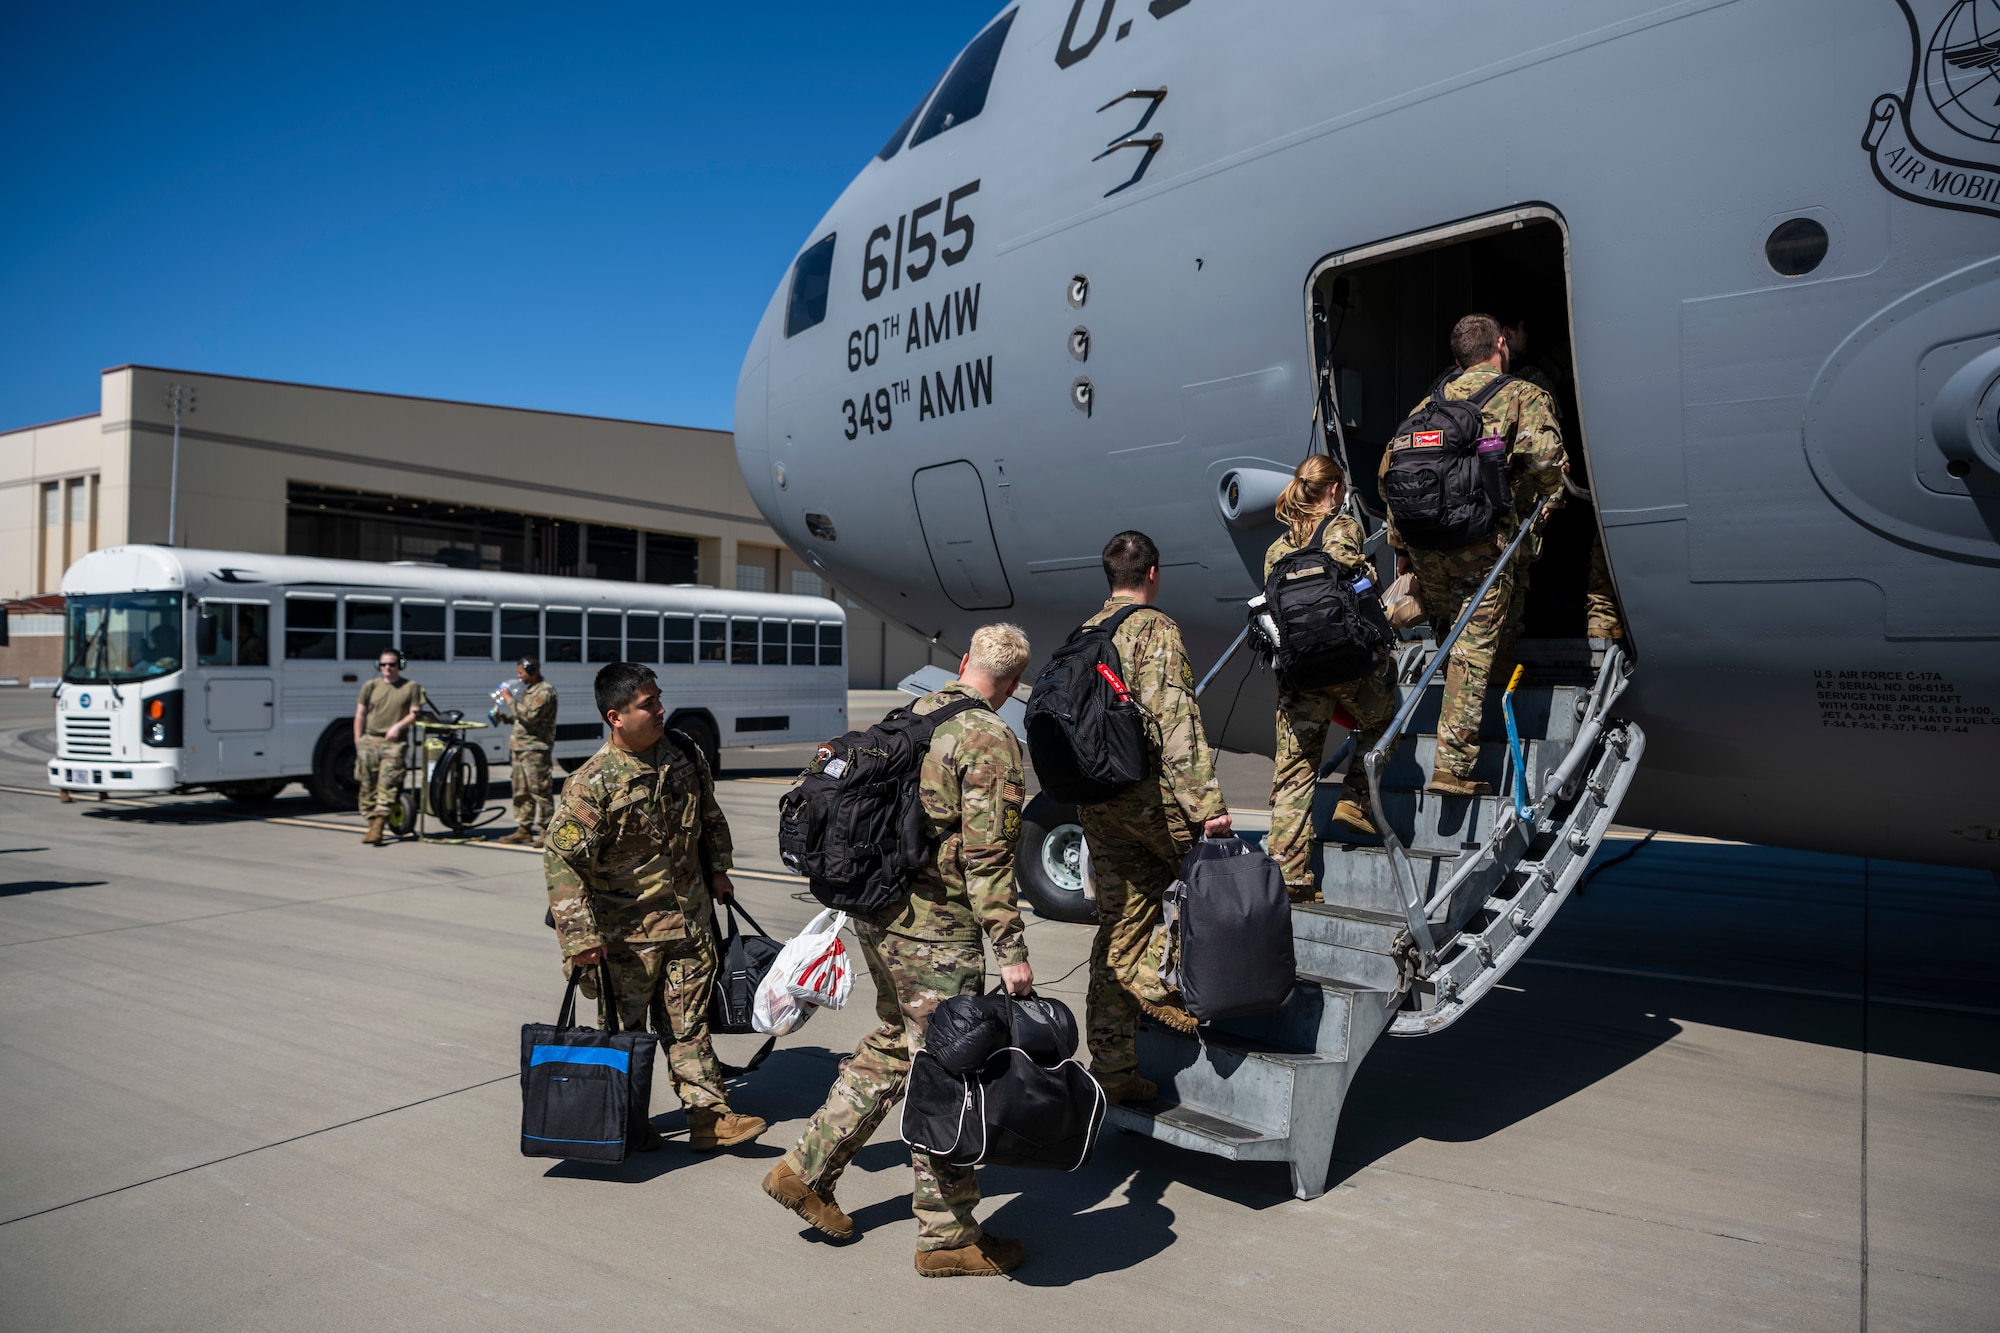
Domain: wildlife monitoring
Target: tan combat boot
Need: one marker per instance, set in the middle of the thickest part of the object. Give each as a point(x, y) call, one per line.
point(376, 823)
point(819, 1210)
point(1131, 1089)
point(1451, 784)
point(1171, 1014)
point(989, 1256)
point(1301, 893)
point(64, 796)
point(709, 1129)
point(517, 837)
point(1350, 816)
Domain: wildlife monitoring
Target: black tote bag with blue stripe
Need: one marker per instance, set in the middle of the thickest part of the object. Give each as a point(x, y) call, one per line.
point(585, 1095)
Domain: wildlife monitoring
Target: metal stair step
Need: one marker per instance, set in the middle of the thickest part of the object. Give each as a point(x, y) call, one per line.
point(1360, 877)
point(1446, 825)
point(1187, 1127)
point(1542, 711)
point(1415, 760)
point(1360, 950)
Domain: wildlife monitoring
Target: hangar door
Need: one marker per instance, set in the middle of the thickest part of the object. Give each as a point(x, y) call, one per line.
point(951, 507)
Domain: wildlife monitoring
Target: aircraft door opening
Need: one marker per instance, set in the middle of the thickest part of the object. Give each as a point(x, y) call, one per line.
point(1381, 318)
point(951, 509)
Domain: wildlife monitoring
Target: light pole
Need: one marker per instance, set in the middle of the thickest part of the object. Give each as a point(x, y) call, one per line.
point(180, 397)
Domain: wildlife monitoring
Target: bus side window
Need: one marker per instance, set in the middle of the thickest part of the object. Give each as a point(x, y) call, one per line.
point(604, 642)
point(679, 641)
point(742, 642)
point(565, 635)
point(215, 634)
point(309, 632)
point(777, 634)
point(714, 640)
point(829, 645)
point(642, 636)
point(368, 628)
point(253, 634)
point(472, 632)
point(423, 631)
point(804, 633)
point(520, 633)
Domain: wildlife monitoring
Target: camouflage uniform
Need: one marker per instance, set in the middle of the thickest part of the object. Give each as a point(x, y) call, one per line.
point(1525, 416)
point(1303, 721)
point(528, 750)
point(927, 949)
point(378, 761)
point(627, 860)
point(1600, 597)
point(1137, 838)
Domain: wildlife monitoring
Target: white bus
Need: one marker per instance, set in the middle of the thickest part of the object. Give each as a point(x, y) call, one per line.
point(219, 670)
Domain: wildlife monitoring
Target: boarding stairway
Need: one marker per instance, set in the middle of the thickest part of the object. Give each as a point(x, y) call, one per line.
point(1417, 928)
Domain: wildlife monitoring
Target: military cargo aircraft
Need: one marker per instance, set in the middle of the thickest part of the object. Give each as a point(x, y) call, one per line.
point(1177, 245)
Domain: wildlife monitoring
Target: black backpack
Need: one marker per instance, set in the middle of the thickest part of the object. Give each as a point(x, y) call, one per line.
point(1086, 734)
point(855, 823)
point(1446, 487)
point(1330, 624)
point(1228, 924)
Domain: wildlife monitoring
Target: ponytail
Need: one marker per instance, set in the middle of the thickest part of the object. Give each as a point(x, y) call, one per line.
point(1308, 496)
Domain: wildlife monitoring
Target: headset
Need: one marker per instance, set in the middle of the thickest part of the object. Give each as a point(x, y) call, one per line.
point(401, 661)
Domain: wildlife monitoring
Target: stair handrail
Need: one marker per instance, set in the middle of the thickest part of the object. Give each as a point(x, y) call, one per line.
point(1415, 909)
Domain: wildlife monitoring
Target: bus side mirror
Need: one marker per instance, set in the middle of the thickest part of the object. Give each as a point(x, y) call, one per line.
point(204, 632)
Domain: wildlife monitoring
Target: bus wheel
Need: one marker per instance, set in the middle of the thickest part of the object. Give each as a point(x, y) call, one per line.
point(332, 781)
point(701, 731)
point(253, 793)
point(1048, 862)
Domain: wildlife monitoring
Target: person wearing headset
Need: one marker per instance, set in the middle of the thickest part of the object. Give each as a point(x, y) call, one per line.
point(385, 709)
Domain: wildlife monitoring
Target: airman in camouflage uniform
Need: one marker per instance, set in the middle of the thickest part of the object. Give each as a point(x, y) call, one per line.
point(529, 751)
point(1137, 838)
point(1363, 706)
point(925, 950)
point(1524, 416)
point(636, 847)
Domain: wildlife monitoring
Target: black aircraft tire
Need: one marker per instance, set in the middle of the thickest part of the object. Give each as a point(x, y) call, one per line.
point(1047, 864)
point(332, 781)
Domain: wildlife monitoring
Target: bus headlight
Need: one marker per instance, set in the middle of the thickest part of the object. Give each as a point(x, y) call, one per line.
point(160, 721)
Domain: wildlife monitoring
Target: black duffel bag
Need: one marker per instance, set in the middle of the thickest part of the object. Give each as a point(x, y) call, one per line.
point(1229, 931)
point(741, 962)
point(586, 1095)
point(1034, 1106)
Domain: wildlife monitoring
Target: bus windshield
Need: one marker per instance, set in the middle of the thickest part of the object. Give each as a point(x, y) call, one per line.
point(115, 638)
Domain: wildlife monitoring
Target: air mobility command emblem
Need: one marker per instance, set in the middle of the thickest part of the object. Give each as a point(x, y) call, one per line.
point(1939, 143)
point(568, 835)
point(1187, 674)
point(1010, 822)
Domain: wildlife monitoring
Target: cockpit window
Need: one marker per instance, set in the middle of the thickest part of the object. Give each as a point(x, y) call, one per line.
point(963, 94)
point(811, 277)
point(895, 144)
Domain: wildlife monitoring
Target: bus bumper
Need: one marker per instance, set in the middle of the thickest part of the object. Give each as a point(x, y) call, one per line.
point(97, 775)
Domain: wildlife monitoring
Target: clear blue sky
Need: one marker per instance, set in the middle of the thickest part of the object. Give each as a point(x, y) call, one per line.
point(578, 207)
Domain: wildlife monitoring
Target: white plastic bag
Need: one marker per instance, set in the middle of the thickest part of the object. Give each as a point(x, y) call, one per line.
point(813, 971)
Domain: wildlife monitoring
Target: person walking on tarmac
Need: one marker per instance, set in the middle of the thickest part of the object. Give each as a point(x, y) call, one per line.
point(1310, 507)
point(1524, 416)
point(925, 950)
point(1138, 837)
point(386, 708)
point(528, 753)
point(637, 846)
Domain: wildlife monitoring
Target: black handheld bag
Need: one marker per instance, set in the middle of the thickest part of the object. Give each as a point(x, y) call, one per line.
point(1034, 1107)
point(1229, 931)
point(1330, 624)
point(586, 1095)
point(1445, 485)
point(855, 824)
point(1087, 736)
point(741, 962)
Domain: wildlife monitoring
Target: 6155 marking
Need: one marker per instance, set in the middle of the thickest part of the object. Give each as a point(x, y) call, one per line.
point(880, 273)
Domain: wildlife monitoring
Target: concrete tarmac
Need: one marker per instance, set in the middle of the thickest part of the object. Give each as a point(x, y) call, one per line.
point(255, 1075)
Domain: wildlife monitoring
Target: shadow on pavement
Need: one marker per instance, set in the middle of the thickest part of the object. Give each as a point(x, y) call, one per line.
point(46, 886)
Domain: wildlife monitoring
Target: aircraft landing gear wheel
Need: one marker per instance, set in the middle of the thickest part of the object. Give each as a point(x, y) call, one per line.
point(1048, 862)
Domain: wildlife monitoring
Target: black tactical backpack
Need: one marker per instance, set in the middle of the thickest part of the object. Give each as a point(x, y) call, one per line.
point(1330, 624)
point(855, 823)
point(1086, 734)
point(1447, 487)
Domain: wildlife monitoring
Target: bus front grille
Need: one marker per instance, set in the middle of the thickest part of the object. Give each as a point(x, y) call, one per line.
point(85, 738)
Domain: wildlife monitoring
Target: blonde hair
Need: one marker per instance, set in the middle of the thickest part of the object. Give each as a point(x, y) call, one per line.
point(999, 650)
point(1308, 496)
